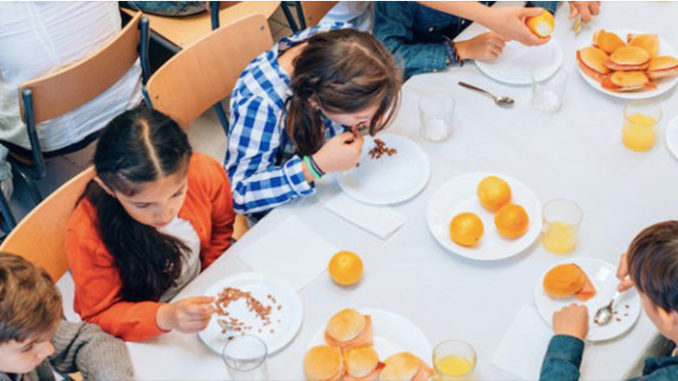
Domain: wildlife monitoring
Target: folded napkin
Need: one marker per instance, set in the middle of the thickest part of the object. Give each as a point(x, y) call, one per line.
point(381, 221)
point(292, 251)
point(522, 349)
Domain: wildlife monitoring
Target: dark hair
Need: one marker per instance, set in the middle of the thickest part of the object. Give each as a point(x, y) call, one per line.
point(343, 71)
point(138, 147)
point(30, 304)
point(652, 260)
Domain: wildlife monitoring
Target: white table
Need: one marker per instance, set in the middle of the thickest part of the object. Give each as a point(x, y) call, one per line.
point(576, 153)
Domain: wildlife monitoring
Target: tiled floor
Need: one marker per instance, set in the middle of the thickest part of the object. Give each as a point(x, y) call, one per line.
point(205, 134)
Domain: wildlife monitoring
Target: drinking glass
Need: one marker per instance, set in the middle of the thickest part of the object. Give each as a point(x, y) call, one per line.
point(436, 111)
point(453, 360)
point(245, 358)
point(548, 93)
point(561, 220)
point(640, 120)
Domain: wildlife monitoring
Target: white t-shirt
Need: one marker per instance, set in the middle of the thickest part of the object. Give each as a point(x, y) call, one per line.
point(190, 263)
point(37, 38)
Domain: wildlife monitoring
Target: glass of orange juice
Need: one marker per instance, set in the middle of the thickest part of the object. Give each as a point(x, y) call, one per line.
point(453, 360)
point(640, 120)
point(561, 220)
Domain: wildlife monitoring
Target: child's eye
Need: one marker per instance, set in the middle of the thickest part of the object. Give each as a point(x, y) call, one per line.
point(27, 348)
point(141, 206)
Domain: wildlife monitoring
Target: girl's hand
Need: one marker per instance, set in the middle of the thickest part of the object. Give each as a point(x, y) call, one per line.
point(623, 274)
point(484, 47)
point(340, 153)
point(585, 9)
point(510, 22)
point(572, 320)
point(187, 315)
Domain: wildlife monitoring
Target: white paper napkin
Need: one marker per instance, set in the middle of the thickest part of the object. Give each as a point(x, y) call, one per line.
point(521, 350)
point(381, 221)
point(292, 252)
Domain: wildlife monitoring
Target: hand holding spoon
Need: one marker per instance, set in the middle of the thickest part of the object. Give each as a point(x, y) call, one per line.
point(604, 314)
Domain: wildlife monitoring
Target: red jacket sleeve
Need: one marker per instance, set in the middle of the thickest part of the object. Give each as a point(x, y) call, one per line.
point(222, 214)
point(97, 288)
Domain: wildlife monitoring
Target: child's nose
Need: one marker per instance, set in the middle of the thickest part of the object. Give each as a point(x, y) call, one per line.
point(45, 350)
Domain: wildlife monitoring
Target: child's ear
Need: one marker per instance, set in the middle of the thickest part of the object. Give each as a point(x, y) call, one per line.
point(669, 318)
point(103, 186)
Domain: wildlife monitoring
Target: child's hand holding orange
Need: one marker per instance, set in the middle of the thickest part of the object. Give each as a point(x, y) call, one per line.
point(572, 320)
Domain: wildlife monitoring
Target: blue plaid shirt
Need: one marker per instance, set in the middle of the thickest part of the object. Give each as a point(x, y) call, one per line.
point(261, 160)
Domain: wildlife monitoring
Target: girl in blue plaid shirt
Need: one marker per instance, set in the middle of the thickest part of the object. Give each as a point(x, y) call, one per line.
point(297, 111)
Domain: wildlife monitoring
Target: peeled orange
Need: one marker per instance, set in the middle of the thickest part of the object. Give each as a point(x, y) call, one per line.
point(466, 229)
point(494, 193)
point(345, 268)
point(542, 25)
point(511, 221)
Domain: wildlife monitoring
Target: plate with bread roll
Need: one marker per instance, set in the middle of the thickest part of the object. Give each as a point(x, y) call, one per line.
point(368, 344)
point(628, 64)
point(592, 282)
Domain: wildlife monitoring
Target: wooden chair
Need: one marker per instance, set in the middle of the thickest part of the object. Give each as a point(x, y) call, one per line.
point(176, 33)
point(69, 88)
point(202, 74)
point(41, 236)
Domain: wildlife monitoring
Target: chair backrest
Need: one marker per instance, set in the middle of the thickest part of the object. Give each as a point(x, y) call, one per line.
point(205, 72)
point(314, 11)
point(41, 236)
point(70, 87)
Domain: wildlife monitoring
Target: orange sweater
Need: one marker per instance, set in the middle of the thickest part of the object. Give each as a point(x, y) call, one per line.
point(209, 208)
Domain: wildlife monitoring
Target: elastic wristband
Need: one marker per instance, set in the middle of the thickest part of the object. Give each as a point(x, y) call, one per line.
point(316, 166)
point(310, 168)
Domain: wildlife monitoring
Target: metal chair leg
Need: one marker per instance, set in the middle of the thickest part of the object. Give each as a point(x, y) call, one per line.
point(30, 183)
point(8, 218)
point(288, 15)
point(300, 14)
point(221, 114)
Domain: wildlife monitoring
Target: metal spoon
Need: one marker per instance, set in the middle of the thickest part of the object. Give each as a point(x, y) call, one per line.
point(500, 101)
point(604, 314)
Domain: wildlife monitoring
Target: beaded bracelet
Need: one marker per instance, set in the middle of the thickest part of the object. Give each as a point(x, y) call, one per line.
point(452, 53)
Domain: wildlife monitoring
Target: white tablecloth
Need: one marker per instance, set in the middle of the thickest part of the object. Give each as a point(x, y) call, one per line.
point(576, 153)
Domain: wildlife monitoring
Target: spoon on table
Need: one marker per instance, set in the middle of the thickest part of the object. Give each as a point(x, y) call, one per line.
point(500, 101)
point(604, 314)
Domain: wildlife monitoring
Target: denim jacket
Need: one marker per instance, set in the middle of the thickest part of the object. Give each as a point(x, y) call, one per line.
point(415, 34)
point(564, 356)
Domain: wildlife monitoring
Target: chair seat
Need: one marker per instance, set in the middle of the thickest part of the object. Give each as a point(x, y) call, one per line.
point(185, 30)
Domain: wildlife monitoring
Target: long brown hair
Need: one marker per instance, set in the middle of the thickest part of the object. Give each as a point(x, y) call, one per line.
point(343, 71)
point(652, 260)
point(138, 147)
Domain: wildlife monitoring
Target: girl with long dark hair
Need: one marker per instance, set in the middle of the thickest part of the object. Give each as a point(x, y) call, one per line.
point(298, 109)
point(154, 216)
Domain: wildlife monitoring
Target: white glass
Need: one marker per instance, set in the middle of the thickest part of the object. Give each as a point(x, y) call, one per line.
point(436, 111)
point(548, 93)
point(245, 357)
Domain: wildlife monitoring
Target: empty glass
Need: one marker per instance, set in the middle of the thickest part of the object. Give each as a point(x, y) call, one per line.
point(453, 360)
point(436, 111)
point(245, 358)
point(548, 93)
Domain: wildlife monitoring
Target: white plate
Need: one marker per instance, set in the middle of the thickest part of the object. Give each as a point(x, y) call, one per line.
point(517, 62)
point(672, 136)
point(459, 194)
point(603, 276)
point(391, 333)
point(285, 322)
point(662, 86)
point(390, 179)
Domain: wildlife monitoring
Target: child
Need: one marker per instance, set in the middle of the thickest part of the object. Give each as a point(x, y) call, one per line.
point(35, 341)
point(421, 33)
point(651, 264)
point(152, 219)
point(296, 111)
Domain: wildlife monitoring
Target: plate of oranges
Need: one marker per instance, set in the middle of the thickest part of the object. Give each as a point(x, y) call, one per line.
point(484, 216)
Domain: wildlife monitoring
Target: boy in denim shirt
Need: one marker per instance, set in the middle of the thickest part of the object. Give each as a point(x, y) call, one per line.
point(651, 264)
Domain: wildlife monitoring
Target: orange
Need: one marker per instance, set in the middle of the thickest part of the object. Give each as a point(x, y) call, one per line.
point(494, 193)
point(542, 25)
point(466, 229)
point(345, 268)
point(511, 221)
